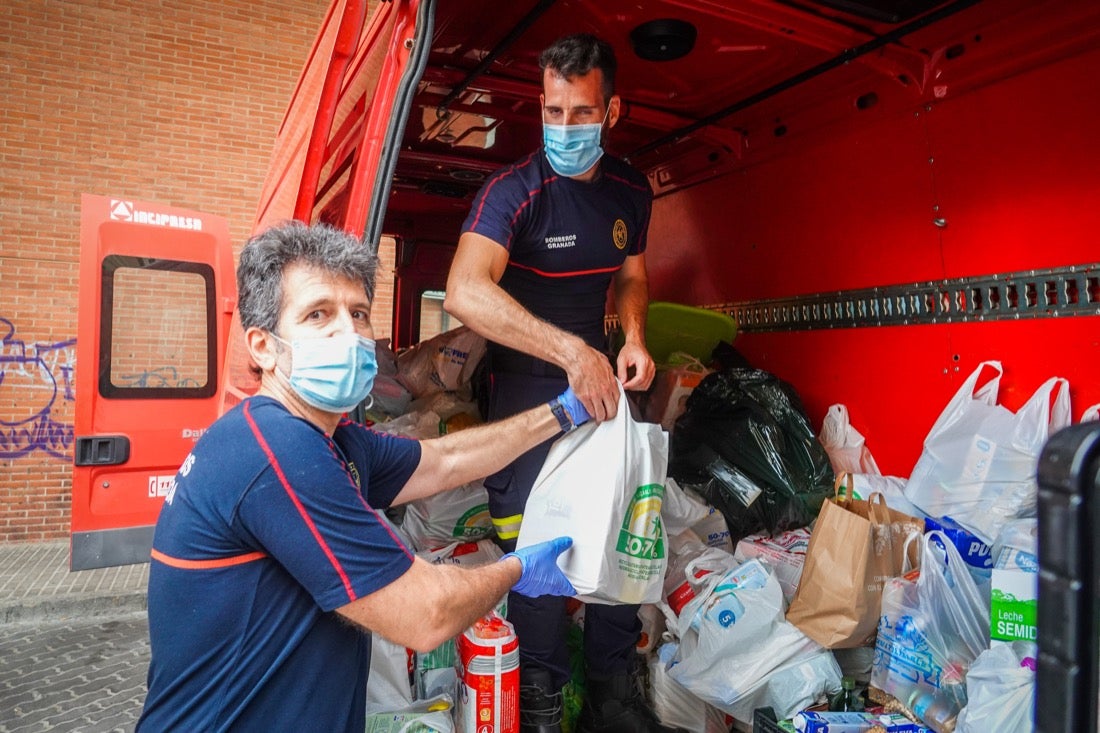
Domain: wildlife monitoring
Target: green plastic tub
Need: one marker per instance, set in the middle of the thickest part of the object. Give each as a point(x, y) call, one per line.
point(674, 327)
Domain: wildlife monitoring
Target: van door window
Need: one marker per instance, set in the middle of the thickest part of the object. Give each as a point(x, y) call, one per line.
point(433, 319)
point(158, 329)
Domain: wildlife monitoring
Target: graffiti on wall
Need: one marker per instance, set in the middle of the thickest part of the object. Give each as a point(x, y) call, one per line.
point(35, 381)
point(165, 376)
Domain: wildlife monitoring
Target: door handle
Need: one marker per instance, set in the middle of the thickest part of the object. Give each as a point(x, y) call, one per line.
point(102, 450)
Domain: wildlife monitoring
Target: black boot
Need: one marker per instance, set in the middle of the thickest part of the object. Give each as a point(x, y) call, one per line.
point(539, 702)
point(616, 705)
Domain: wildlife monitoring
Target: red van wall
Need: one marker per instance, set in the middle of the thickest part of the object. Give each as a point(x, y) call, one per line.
point(1009, 167)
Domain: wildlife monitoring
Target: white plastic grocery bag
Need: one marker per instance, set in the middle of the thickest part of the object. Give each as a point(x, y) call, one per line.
point(1000, 690)
point(675, 706)
point(681, 510)
point(603, 486)
point(980, 459)
point(390, 686)
point(845, 445)
point(434, 715)
point(931, 630)
point(734, 643)
point(458, 515)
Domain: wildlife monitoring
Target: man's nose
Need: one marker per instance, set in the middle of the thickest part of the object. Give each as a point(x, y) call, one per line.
point(344, 323)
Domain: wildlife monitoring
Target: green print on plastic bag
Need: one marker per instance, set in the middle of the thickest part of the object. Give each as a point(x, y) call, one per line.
point(641, 535)
point(473, 523)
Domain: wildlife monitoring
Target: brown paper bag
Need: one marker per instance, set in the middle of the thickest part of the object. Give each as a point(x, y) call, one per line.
point(856, 545)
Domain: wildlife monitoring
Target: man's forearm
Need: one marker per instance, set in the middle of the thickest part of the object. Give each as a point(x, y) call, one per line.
point(430, 604)
point(632, 305)
point(458, 458)
point(490, 311)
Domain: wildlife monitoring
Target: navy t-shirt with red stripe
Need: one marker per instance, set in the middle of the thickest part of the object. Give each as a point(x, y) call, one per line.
point(565, 238)
point(265, 533)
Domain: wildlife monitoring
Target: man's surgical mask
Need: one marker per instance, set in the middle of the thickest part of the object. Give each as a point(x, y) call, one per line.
point(334, 373)
point(573, 149)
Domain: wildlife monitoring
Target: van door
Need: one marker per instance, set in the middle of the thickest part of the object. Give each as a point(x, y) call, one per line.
point(156, 294)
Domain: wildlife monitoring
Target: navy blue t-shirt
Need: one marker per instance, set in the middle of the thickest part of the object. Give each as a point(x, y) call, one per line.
point(265, 533)
point(565, 238)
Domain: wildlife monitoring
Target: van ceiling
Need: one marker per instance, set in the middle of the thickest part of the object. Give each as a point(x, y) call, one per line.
point(886, 11)
point(738, 74)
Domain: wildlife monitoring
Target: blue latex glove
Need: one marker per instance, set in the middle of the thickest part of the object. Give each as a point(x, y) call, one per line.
point(574, 408)
point(541, 574)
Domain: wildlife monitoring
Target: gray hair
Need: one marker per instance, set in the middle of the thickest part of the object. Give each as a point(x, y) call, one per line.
point(578, 54)
point(265, 257)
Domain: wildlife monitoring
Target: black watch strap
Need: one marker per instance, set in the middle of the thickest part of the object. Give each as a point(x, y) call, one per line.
point(563, 417)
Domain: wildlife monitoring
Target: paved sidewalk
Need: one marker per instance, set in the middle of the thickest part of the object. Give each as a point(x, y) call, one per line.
point(83, 675)
point(36, 586)
point(74, 647)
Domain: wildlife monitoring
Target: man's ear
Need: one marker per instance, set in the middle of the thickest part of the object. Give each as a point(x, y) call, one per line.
point(613, 110)
point(263, 347)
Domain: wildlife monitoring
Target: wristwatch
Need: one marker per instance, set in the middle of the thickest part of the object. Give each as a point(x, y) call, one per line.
point(564, 420)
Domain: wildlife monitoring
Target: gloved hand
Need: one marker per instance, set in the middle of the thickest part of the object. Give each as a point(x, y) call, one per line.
point(574, 407)
point(541, 574)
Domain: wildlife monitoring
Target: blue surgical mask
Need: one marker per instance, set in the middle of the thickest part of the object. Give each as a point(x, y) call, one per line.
point(334, 373)
point(573, 149)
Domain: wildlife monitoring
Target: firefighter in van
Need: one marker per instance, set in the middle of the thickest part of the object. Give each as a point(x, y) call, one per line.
point(544, 239)
point(270, 558)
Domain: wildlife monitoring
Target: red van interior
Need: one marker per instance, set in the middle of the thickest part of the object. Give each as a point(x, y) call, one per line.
point(883, 193)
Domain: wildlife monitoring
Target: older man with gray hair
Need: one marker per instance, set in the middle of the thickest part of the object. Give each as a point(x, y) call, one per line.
point(271, 560)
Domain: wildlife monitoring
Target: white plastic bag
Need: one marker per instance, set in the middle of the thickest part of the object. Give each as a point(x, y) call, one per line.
point(443, 363)
point(389, 686)
point(681, 510)
point(980, 460)
point(1091, 413)
point(1000, 691)
point(930, 632)
point(458, 515)
point(653, 628)
point(714, 530)
point(675, 706)
point(389, 397)
point(845, 445)
point(433, 715)
point(603, 486)
point(689, 559)
point(892, 488)
point(734, 638)
point(417, 425)
point(795, 685)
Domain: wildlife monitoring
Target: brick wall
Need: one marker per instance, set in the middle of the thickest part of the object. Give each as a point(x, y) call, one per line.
point(171, 102)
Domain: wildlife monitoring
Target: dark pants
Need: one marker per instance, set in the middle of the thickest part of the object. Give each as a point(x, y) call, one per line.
point(610, 632)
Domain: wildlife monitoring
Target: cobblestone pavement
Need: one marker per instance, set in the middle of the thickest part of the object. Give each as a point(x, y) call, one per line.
point(82, 674)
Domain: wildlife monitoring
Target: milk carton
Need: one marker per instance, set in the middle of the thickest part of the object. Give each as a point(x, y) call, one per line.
point(1015, 585)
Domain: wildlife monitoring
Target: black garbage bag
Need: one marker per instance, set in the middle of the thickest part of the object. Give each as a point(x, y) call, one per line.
point(745, 444)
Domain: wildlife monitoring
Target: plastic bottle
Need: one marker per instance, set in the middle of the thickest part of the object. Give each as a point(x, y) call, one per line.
point(847, 700)
point(936, 711)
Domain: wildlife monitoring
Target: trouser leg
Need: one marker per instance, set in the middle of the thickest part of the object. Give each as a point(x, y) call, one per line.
point(610, 638)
